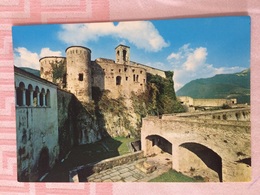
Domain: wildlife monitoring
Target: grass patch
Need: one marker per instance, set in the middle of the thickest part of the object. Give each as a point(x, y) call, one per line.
point(174, 176)
point(88, 153)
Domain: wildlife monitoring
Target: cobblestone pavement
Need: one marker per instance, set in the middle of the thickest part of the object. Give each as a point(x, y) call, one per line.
point(129, 172)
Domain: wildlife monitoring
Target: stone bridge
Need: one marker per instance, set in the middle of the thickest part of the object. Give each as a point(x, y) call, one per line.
point(214, 145)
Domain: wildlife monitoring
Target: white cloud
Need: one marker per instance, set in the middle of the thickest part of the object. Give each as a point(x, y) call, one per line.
point(191, 63)
point(48, 52)
point(25, 58)
point(142, 34)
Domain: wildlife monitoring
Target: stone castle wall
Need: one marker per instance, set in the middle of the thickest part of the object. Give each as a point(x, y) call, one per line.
point(119, 79)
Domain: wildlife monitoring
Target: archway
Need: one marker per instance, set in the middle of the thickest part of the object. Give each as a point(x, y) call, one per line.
point(200, 153)
point(43, 163)
point(156, 144)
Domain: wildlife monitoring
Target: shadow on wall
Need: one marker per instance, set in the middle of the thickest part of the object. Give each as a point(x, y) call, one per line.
point(211, 159)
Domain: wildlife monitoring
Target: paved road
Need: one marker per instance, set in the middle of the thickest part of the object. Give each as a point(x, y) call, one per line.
point(129, 172)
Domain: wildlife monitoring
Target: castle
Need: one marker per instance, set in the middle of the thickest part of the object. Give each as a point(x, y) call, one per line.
point(49, 122)
point(79, 74)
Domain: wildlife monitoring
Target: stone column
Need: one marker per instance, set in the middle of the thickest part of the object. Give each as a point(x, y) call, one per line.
point(43, 100)
point(23, 97)
point(175, 157)
point(31, 98)
point(38, 99)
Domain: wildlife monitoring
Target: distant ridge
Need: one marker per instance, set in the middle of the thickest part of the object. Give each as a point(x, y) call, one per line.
point(235, 85)
point(31, 70)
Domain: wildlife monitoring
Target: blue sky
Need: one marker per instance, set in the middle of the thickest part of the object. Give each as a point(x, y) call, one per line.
point(192, 48)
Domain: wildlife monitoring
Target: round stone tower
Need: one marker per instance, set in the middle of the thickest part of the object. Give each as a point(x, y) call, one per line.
point(79, 72)
point(48, 63)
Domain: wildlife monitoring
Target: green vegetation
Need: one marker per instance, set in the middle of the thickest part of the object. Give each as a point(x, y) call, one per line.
point(89, 153)
point(32, 71)
point(174, 176)
point(159, 98)
point(59, 69)
point(220, 86)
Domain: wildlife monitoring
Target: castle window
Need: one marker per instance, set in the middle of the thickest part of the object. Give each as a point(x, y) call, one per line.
point(137, 78)
point(126, 78)
point(80, 76)
point(36, 97)
point(29, 95)
point(141, 72)
point(118, 53)
point(134, 77)
point(125, 69)
point(124, 55)
point(144, 80)
point(48, 98)
point(20, 95)
point(133, 70)
point(112, 70)
point(118, 80)
point(119, 70)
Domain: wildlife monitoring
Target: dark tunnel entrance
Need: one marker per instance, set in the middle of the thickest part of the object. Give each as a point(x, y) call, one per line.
point(211, 159)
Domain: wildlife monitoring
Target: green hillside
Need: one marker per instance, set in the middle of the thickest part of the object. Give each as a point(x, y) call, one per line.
point(32, 71)
point(235, 85)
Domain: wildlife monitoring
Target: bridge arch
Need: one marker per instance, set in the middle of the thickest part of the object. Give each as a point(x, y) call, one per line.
point(156, 144)
point(197, 159)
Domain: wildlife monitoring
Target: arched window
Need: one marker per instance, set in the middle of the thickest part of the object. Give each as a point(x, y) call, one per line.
point(20, 95)
point(42, 97)
point(134, 77)
point(118, 52)
point(124, 55)
point(29, 95)
point(48, 103)
point(36, 97)
point(118, 80)
point(137, 78)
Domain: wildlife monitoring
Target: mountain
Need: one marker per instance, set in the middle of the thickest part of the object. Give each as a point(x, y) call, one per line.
point(235, 85)
point(31, 70)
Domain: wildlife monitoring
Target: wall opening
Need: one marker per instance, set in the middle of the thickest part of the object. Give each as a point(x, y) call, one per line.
point(35, 96)
point(20, 94)
point(124, 55)
point(210, 158)
point(158, 144)
point(43, 163)
point(80, 76)
point(48, 98)
point(118, 80)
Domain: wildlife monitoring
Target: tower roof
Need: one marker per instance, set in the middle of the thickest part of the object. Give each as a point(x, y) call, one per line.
point(120, 45)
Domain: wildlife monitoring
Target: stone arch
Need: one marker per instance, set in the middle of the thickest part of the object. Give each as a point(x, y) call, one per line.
point(20, 95)
point(210, 158)
point(156, 144)
point(43, 162)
